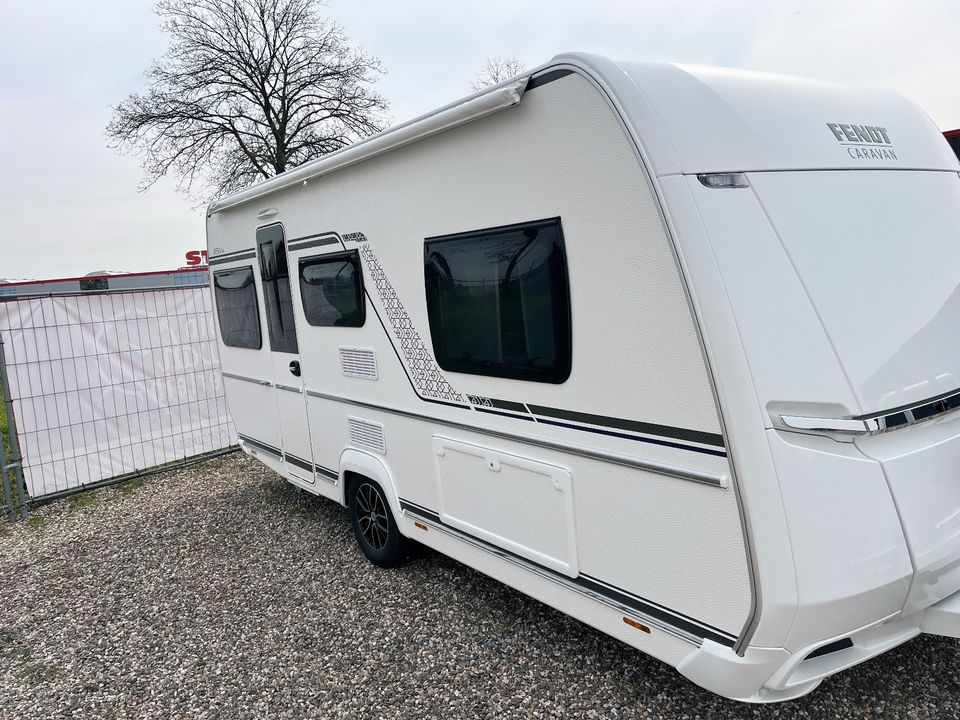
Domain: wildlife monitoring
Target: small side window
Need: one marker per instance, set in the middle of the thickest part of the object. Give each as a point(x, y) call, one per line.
point(237, 311)
point(499, 303)
point(332, 290)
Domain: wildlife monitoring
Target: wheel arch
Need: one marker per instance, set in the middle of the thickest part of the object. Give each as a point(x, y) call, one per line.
point(357, 463)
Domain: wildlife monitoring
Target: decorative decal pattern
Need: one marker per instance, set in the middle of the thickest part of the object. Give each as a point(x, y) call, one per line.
point(355, 237)
point(479, 400)
point(423, 369)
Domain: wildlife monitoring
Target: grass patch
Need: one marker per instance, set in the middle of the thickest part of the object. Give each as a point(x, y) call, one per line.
point(35, 522)
point(15, 652)
point(126, 488)
point(82, 500)
point(4, 426)
point(7, 455)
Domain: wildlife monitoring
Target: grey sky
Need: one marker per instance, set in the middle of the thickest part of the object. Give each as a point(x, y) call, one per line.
point(72, 205)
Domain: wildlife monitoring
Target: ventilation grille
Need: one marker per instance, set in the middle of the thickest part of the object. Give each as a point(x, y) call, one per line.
point(367, 435)
point(358, 363)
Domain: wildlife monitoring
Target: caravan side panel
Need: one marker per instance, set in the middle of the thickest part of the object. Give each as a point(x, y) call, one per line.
point(638, 388)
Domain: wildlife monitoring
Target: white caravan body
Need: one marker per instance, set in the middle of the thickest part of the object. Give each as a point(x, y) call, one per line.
point(674, 350)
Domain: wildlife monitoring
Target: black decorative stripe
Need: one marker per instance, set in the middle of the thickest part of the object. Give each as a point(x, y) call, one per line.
point(299, 462)
point(664, 615)
point(637, 438)
point(245, 255)
point(671, 617)
point(502, 414)
point(677, 433)
point(261, 445)
point(427, 514)
point(547, 77)
point(311, 236)
point(328, 472)
point(329, 240)
point(509, 405)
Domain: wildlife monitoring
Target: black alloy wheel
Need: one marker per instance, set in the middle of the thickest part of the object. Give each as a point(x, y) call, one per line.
point(374, 526)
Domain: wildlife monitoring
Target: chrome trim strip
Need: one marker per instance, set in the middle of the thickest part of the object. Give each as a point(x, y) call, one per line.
point(255, 381)
point(846, 428)
point(261, 446)
point(558, 579)
point(847, 425)
point(329, 475)
point(698, 476)
point(288, 388)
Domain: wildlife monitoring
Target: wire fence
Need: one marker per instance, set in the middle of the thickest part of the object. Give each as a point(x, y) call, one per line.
point(100, 386)
point(11, 469)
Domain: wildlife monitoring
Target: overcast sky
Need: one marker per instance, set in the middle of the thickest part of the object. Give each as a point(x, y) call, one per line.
point(72, 204)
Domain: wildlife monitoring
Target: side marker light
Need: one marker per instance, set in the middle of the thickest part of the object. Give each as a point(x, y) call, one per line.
point(634, 624)
point(724, 180)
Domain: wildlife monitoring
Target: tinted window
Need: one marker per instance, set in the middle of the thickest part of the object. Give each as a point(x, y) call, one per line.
point(499, 303)
point(276, 289)
point(237, 312)
point(332, 289)
point(955, 144)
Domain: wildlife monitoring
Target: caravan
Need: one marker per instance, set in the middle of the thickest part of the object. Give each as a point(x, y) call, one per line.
point(672, 349)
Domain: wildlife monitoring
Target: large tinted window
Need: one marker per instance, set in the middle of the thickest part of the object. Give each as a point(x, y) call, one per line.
point(332, 289)
point(237, 312)
point(499, 303)
point(276, 289)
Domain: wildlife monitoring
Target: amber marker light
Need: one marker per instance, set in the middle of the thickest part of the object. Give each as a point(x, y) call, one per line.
point(420, 525)
point(634, 624)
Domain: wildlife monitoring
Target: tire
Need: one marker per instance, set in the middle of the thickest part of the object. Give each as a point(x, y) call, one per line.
point(374, 526)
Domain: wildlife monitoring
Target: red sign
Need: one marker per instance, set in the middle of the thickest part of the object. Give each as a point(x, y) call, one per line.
point(196, 257)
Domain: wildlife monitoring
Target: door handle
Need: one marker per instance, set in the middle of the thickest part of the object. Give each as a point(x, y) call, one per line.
point(295, 368)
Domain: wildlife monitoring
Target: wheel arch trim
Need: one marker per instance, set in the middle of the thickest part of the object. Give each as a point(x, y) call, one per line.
point(358, 462)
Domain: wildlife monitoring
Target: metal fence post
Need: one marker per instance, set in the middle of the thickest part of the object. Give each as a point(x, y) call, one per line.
point(7, 497)
point(12, 464)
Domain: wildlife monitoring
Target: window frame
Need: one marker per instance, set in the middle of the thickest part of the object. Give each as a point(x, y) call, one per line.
point(563, 317)
point(256, 305)
point(353, 256)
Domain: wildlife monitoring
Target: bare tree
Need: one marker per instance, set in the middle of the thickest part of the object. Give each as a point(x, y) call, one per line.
point(496, 70)
point(246, 90)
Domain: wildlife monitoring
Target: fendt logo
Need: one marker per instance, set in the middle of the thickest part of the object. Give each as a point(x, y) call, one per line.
point(864, 142)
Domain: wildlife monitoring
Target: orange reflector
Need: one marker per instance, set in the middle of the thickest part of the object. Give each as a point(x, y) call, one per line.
point(638, 625)
point(420, 525)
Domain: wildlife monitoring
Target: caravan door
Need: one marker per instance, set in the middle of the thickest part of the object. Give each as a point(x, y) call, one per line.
point(284, 353)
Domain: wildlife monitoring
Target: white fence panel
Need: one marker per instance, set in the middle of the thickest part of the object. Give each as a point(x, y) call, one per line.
point(107, 384)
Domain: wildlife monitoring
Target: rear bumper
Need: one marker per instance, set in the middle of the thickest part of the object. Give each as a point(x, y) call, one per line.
point(764, 675)
point(943, 618)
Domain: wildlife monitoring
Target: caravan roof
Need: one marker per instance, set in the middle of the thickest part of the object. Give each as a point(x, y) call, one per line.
point(691, 119)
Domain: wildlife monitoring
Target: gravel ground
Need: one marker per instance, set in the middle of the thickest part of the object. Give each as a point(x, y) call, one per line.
point(220, 591)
